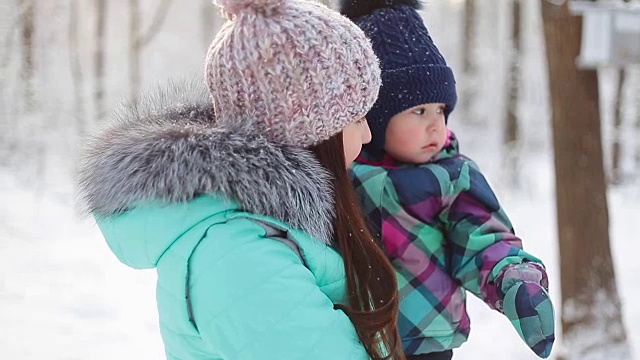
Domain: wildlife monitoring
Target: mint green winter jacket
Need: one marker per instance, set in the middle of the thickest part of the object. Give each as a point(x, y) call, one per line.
point(238, 229)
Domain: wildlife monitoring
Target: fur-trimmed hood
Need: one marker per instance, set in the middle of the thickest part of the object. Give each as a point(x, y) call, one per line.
point(168, 149)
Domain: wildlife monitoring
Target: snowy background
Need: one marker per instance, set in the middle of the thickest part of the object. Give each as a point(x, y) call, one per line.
point(63, 295)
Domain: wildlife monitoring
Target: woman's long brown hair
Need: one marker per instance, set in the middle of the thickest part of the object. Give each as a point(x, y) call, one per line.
point(371, 280)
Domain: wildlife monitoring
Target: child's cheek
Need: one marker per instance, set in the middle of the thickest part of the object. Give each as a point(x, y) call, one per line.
point(447, 138)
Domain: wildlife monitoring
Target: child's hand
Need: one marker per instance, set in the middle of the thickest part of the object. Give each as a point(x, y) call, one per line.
point(528, 306)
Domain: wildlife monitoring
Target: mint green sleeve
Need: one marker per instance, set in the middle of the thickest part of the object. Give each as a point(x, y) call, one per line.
point(253, 298)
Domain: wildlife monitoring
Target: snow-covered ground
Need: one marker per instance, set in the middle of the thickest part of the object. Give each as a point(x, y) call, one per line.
point(64, 296)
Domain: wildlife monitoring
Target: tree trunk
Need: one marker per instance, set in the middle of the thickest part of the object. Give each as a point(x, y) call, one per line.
point(134, 49)
point(468, 61)
point(468, 44)
point(590, 303)
point(9, 124)
point(511, 138)
point(616, 153)
point(27, 35)
point(636, 97)
point(76, 67)
point(7, 46)
point(99, 58)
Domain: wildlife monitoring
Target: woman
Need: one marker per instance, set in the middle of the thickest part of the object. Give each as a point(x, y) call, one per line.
point(250, 218)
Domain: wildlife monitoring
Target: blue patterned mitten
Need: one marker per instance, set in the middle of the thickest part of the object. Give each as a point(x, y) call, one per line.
point(527, 304)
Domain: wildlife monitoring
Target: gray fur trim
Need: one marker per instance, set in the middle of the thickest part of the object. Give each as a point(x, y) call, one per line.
point(169, 149)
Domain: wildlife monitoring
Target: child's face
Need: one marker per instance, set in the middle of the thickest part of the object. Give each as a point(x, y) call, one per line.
point(353, 137)
point(416, 135)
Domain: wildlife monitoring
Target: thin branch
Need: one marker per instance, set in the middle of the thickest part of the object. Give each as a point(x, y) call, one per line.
point(616, 153)
point(76, 66)
point(8, 45)
point(27, 36)
point(134, 49)
point(158, 19)
point(468, 42)
point(636, 94)
point(10, 37)
point(99, 58)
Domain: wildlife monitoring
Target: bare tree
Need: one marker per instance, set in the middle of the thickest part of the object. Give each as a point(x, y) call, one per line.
point(99, 58)
point(7, 127)
point(27, 36)
point(468, 58)
point(7, 46)
point(468, 41)
point(636, 97)
point(616, 152)
point(76, 66)
point(511, 138)
point(134, 49)
point(138, 40)
point(590, 304)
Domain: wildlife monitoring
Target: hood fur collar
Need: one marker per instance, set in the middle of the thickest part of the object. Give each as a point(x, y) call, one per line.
point(167, 148)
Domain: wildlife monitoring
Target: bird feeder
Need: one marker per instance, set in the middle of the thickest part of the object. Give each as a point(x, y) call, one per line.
point(610, 33)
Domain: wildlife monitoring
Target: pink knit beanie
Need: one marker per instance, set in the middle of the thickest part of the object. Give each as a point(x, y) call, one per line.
point(297, 71)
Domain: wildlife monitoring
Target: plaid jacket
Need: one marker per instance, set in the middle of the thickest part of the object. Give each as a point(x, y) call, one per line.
point(444, 231)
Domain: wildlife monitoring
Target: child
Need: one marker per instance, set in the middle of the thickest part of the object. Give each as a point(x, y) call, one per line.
point(438, 219)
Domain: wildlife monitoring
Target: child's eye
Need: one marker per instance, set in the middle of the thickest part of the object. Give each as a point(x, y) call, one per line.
point(419, 111)
point(441, 110)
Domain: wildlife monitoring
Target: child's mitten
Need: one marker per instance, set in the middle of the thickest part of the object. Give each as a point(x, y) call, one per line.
point(527, 304)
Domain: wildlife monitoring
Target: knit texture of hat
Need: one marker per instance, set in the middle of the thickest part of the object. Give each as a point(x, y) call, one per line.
point(413, 70)
point(293, 70)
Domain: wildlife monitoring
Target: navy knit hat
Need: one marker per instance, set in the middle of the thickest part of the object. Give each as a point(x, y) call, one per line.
point(413, 70)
